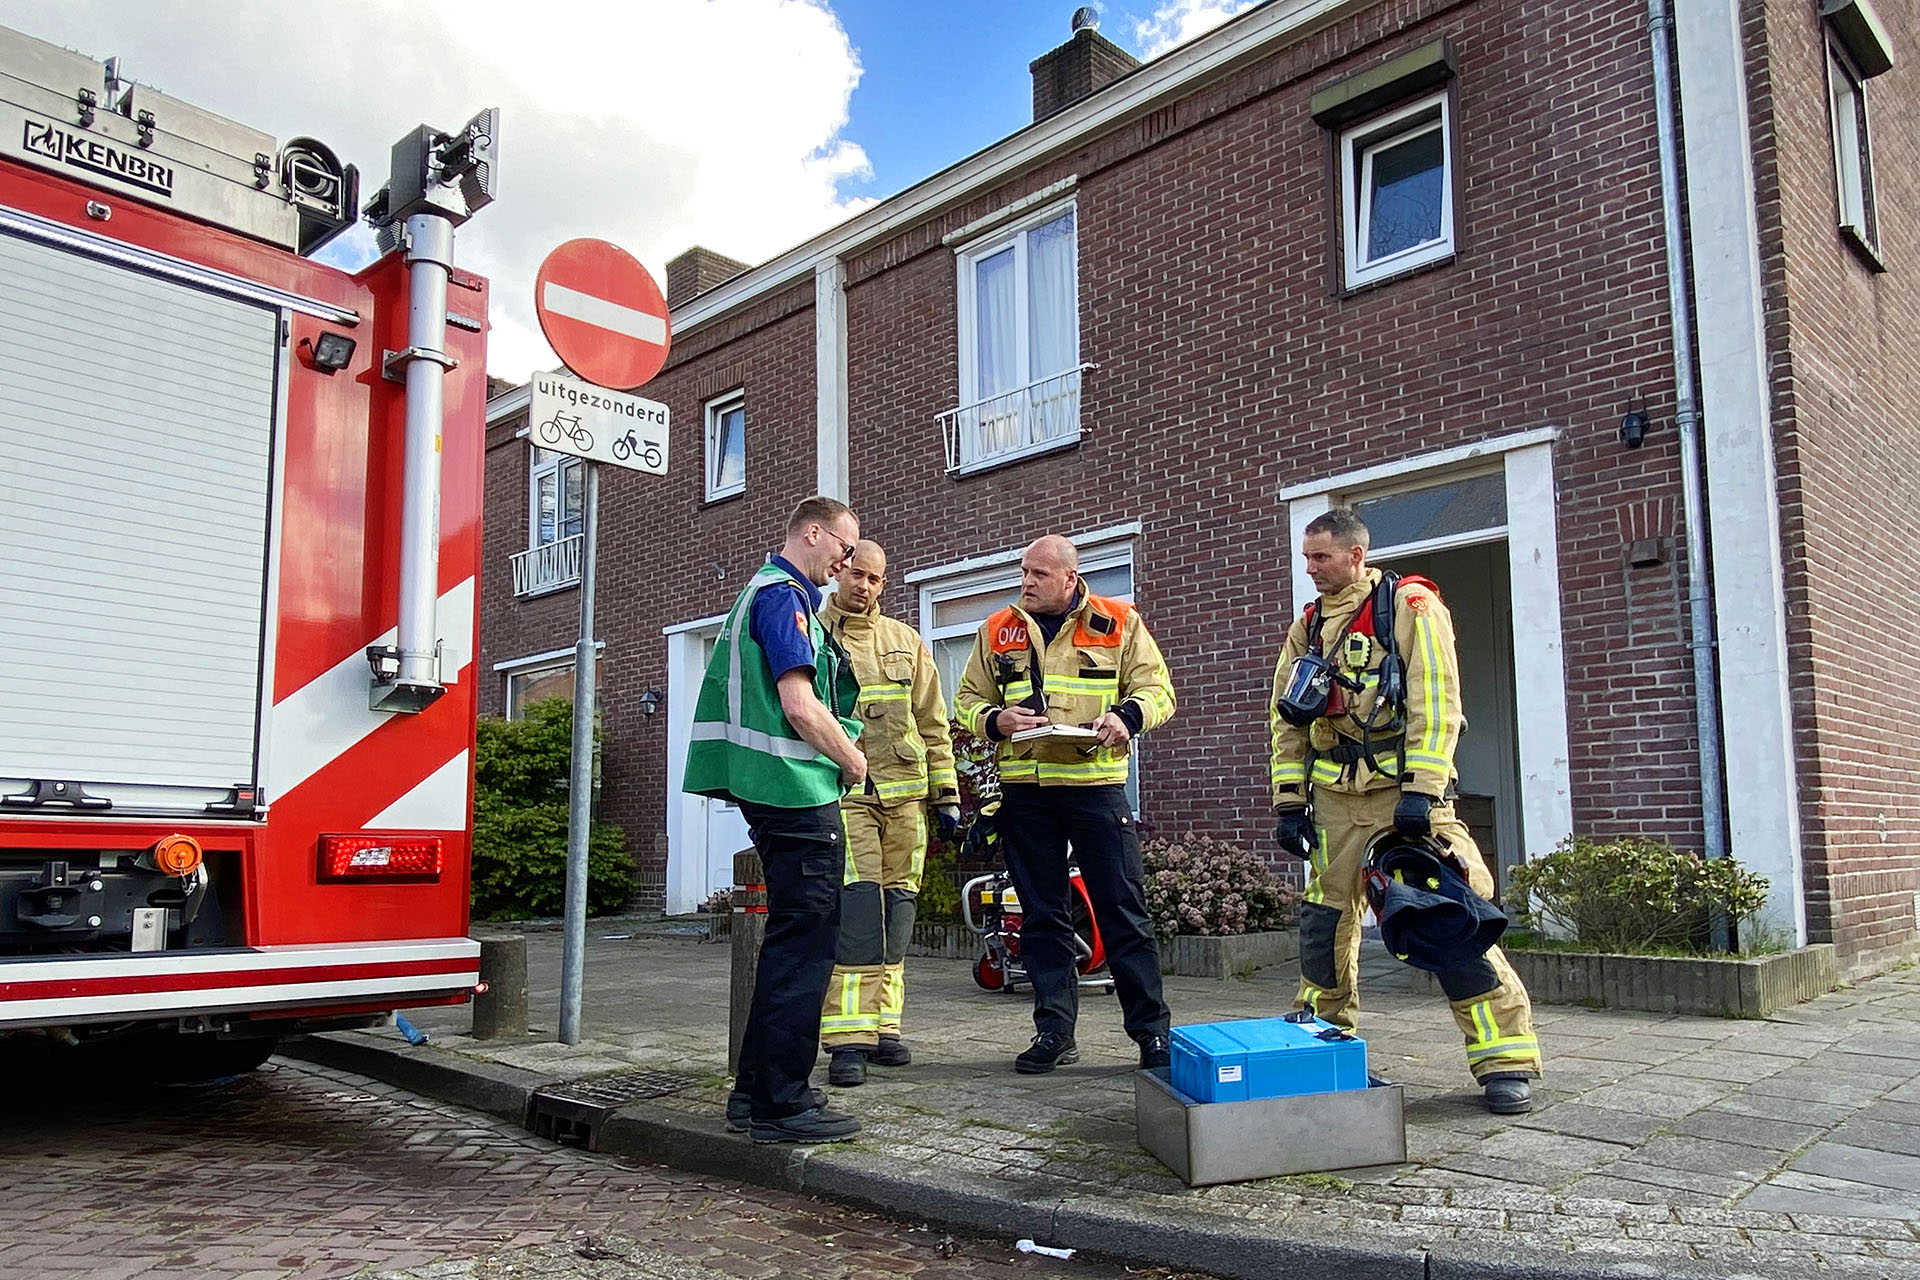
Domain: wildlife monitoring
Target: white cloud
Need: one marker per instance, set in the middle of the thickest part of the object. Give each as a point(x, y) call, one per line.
point(1178, 21)
point(656, 125)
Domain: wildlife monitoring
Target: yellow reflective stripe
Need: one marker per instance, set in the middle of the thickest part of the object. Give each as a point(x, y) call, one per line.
point(944, 778)
point(917, 864)
point(1426, 759)
point(1310, 998)
point(1326, 771)
point(838, 1024)
point(885, 693)
point(893, 997)
point(1114, 770)
point(975, 718)
point(1289, 771)
point(1076, 684)
point(1016, 769)
point(1017, 690)
point(1503, 1047)
point(1317, 862)
point(1430, 737)
point(1481, 1011)
point(896, 790)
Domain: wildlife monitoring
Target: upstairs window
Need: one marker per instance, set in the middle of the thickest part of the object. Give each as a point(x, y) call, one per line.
point(1019, 324)
point(1396, 191)
point(1857, 51)
point(726, 446)
point(555, 497)
point(1852, 150)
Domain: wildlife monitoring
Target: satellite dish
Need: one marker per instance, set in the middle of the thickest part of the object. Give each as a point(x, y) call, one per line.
point(1086, 18)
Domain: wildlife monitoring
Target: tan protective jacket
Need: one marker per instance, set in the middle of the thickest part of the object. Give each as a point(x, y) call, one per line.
point(1423, 634)
point(906, 735)
point(1101, 657)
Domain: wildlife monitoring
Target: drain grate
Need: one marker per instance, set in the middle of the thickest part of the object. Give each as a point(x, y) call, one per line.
point(572, 1111)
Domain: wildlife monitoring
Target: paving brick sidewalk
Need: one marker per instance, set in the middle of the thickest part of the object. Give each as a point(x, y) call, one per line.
point(1666, 1145)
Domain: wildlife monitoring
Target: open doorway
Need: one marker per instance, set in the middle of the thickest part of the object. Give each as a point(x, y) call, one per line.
point(1475, 583)
point(702, 834)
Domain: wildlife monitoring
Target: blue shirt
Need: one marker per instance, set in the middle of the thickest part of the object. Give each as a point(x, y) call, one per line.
point(777, 624)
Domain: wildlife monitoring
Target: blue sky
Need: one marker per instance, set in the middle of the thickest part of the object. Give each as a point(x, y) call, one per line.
point(746, 126)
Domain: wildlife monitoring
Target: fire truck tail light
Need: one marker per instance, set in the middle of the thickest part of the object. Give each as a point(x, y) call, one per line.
point(177, 855)
point(373, 857)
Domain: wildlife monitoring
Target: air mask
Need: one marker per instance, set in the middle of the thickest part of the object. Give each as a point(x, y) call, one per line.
point(1303, 699)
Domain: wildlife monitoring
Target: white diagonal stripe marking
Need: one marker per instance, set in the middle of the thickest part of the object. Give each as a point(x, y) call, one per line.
point(600, 313)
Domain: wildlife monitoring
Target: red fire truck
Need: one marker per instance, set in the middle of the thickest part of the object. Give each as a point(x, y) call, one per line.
point(239, 534)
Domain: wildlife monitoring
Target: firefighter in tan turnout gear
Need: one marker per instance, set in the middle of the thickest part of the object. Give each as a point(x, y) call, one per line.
point(909, 748)
point(1085, 664)
point(1365, 766)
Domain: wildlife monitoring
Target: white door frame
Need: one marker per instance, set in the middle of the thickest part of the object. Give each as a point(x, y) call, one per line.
point(686, 817)
point(1533, 556)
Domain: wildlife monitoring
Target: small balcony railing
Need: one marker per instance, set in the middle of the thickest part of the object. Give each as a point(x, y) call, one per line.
point(538, 570)
point(1040, 416)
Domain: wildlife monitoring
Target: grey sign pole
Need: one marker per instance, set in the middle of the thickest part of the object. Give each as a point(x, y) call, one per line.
point(580, 794)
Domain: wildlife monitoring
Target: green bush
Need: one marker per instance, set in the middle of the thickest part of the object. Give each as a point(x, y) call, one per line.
point(521, 774)
point(1207, 887)
point(1633, 896)
point(939, 899)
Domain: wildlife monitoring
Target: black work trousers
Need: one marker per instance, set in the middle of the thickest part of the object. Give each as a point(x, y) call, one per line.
point(1036, 825)
point(804, 855)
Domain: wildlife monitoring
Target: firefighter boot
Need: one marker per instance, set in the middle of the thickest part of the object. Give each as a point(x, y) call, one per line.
point(847, 1067)
point(891, 1053)
point(1508, 1094)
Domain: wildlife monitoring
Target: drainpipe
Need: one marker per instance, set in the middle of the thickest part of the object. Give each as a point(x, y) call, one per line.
point(1706, 676)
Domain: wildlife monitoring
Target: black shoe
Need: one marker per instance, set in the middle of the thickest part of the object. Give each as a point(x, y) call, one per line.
point(891, 1053)
point(1049, 1049)
point(816, 1124)
point(1508, 1095)
point(847, 1068)
point(1154, 1053)
point(740, 1107)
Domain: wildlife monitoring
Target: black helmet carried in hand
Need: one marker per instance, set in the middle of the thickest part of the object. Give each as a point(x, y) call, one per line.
point(1429, 915)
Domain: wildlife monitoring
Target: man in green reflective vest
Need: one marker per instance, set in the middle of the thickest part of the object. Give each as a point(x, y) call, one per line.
point(773, 732)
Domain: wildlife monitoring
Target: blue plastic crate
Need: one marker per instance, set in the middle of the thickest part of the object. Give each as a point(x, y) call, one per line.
point(1264, 1058)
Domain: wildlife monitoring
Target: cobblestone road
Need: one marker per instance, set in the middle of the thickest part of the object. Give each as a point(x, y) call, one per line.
point(298, 1171)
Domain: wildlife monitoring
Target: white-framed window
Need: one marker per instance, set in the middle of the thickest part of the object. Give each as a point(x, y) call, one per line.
point(952, 607)
point(540, 676)
point(1019, 328)
point(1396, 191)
point(727, 445)
point(1852, 149)
point(556, 493)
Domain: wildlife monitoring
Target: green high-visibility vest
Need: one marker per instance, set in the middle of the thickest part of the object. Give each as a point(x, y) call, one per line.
point(742, 746)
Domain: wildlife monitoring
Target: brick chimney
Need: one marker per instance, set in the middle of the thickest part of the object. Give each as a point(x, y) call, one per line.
point(1085, 64)
point(696, 271)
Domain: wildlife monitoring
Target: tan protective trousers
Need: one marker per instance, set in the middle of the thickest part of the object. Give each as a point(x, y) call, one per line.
point(1489, 1003)
point(886, 852)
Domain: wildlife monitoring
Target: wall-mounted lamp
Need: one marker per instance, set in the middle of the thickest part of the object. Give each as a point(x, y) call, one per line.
point(331, 353)
point(650, 703)
point(1634, 424)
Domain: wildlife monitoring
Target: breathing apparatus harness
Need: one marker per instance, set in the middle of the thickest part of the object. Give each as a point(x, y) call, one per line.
point(1308, 690)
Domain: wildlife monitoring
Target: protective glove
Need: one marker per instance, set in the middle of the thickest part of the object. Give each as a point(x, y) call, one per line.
point(1295, 832)
point(1413, 816)
point(946, 821)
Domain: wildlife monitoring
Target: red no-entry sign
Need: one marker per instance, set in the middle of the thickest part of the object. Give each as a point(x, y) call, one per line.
point(602, 313)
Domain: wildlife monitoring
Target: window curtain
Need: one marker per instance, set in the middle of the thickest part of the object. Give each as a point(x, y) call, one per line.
point(995, 349)
point(1053, 327)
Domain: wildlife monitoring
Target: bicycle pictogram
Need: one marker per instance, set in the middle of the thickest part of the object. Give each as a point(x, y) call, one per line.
point(565, 425)
point(629, 445)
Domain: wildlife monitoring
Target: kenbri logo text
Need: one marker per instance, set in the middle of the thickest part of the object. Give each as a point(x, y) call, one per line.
point(44, 138)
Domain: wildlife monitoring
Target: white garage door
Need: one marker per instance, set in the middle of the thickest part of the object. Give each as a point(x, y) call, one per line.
point(136, 430)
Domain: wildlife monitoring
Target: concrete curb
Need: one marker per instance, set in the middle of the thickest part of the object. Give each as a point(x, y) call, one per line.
point(1045, 1209)
point(446, 1077)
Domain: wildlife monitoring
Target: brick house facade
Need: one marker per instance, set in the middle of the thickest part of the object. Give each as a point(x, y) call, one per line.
point(1261, 324)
